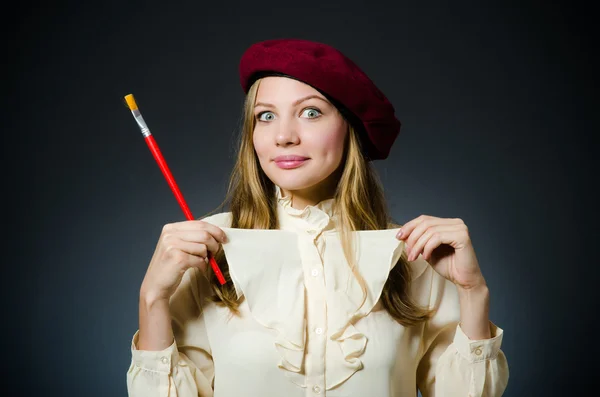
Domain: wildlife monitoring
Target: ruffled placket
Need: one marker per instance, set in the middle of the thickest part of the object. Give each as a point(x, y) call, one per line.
point(377, 252)
point(267, 267)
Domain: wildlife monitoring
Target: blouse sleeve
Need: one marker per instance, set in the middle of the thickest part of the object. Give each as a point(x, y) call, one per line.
point(184, 369)
point(452, 364)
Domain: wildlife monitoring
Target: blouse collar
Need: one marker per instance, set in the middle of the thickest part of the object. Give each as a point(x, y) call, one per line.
point(313, 218)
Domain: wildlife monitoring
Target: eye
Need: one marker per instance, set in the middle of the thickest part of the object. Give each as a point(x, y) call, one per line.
point(265, 116)
point(311, 113)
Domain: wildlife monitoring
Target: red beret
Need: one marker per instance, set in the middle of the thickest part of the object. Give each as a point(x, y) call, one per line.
point(337, 77)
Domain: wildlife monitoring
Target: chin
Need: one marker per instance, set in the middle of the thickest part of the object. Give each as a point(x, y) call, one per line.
point(295, 179)
point(293, 182)
point(293, 185)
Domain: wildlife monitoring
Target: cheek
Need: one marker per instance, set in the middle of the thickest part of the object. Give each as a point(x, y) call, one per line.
point(260, 146)
point(333, 142)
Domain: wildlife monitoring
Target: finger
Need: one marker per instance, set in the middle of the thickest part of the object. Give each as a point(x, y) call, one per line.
point(194, 236)
point(431, 232)
point(191, 248)
point(408, 227)
point(415, 228)
point(196, 225)
point(435, 241)
point(179, 256)
point(418, 228)
point(216, 231)
point(451, 237)
point(195, 233)
point(197, 261)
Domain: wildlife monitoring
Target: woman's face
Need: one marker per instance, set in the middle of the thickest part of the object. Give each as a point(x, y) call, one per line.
point(294, 119)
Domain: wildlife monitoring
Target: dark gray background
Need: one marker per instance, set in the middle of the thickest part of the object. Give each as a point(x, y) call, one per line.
point(497, 104)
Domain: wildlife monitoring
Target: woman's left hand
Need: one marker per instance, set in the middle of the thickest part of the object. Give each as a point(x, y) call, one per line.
point(445, 244)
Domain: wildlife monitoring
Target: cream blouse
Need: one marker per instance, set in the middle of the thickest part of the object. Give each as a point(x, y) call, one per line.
point(305, 329)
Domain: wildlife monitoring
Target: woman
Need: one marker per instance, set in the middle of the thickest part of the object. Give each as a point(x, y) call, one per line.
point(325, 296)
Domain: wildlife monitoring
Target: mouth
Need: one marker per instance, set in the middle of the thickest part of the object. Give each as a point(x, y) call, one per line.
point(289, 164)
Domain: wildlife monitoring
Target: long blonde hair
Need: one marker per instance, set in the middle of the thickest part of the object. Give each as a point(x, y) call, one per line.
point(358, 199)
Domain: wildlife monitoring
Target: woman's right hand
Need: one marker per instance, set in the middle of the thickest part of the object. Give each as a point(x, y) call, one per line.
point(181, 245)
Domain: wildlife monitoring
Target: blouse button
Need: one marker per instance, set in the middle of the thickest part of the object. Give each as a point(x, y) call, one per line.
point(164, 360)
point(319, 331)
point(478, 351)
point(316, 389)
point(314, 272)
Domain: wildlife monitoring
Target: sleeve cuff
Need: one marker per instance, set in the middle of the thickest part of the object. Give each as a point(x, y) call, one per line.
point(478, 350)
point(161, 361)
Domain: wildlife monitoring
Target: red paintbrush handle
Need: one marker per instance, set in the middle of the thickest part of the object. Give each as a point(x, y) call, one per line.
point(188, 214)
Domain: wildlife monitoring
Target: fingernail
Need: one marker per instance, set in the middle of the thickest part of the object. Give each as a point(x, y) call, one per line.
point(224, 240)
point(399, 234)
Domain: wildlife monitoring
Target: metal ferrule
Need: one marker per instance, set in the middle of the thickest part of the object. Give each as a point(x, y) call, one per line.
point(141, 123)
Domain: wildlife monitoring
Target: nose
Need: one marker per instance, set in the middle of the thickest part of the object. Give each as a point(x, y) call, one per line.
point(287, 134)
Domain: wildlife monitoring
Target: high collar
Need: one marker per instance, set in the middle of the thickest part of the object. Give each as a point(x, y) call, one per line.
point(313, 218)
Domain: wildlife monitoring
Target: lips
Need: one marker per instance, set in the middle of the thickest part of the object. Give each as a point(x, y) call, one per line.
point(290, 161)
point(290, 157)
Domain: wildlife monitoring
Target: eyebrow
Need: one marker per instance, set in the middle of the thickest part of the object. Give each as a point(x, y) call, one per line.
point(296, 103)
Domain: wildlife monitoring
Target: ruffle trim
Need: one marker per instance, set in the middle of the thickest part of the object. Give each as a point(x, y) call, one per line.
point(273, 288)
point(316, 217)
point(376, 252)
